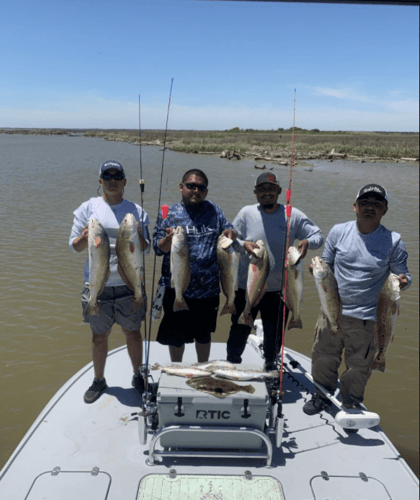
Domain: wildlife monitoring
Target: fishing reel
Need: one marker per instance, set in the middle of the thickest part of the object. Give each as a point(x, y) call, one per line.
point(148, 418)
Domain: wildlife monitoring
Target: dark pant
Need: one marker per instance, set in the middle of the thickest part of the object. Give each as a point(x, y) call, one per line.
point(271, 310)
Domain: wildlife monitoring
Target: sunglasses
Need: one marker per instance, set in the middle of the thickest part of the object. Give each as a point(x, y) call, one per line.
point(192, 186)
point(118, 176)
point(366, 203)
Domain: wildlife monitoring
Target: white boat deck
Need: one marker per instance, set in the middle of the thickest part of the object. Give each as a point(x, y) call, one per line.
point(80, 451)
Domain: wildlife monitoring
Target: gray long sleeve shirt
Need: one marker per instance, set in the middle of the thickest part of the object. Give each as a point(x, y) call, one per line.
point(361, 264)
point(253, 224)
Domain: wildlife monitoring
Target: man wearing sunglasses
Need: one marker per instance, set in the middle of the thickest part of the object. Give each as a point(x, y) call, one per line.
point(267, 221)
point(362, 254)
point(116, 299)
point(203, 222)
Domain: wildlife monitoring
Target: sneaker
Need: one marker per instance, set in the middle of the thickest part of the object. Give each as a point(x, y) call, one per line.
point(269, 366)
point(95, 390)
point(138, 382)
point(315, 405)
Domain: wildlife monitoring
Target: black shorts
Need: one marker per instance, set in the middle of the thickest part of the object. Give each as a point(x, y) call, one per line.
point(185, 327)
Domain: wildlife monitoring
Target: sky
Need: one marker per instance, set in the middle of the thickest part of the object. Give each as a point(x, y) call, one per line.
point(84, 64)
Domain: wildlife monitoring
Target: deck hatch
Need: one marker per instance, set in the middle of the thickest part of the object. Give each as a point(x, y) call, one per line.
point(202, 487)
point(68, 485)
point(348, 487)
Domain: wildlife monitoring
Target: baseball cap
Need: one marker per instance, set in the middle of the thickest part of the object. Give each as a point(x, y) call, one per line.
point(372, 189)
point(267, 177)
point(110, 164)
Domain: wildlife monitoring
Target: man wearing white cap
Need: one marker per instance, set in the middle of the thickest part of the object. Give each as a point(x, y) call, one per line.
point(361, 254)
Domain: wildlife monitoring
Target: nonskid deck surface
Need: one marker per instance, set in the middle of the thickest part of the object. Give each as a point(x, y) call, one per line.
point(75, 450)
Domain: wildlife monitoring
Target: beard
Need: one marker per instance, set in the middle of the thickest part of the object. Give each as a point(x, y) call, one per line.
point(268, 206)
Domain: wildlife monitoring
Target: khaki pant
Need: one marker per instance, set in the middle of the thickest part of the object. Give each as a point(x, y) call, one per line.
point(357, 340)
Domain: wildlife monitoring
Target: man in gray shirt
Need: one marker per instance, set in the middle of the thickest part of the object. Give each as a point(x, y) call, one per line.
point(361, 254)
point(267, 221)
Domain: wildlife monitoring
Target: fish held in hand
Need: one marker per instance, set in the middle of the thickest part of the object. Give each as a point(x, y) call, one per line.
point(181, 371)
point(130, 259)
point(387, 311)
point(294, 287)
point(180, 267)
point(98, 252)
point(217, 387)
point(256, 286)
point(228, 260)
point(328, 292)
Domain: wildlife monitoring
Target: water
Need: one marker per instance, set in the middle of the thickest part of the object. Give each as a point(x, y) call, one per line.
point(43, 339)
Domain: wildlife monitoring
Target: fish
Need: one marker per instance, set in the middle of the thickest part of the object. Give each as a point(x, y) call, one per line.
point(256, 286)
point(243, 375)
point(180, 267)
point(228, 259)
point(98, 254)
point(328, 292)
point(294, 290)
point(212, 365)
point(182, 371)
point(219, 388)
point(130, 259)
point(387, 311)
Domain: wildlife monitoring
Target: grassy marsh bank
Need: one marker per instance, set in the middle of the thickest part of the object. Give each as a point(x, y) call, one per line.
point(270, 145)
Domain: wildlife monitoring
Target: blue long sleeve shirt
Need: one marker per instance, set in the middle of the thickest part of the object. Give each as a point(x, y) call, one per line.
point(203, 225)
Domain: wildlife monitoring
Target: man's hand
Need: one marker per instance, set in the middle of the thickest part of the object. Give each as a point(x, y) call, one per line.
point(303, 249)
point(80, 243)
point(250, 246)
point(230, 233)
point(402, 278)
point(166, 242)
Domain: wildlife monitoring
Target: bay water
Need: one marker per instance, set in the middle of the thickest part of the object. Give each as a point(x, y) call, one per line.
point(43, 340)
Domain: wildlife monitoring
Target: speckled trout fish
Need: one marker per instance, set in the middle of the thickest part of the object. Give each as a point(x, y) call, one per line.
point(182, 371)
point(98, 251)
point(219, 388)
point(228, 260)
point(387, 312)
point(130, 259)
point(328, 292)
point(294, 289)
point(256, 286)
point(243, 375)
point(180, 267)
point(212, 365)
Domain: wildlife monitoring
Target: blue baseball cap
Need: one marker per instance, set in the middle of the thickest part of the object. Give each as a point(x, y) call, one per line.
point(110, 164)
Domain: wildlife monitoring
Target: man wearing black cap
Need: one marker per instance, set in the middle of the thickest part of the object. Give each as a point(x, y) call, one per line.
point(362, 254)
point(267, 221)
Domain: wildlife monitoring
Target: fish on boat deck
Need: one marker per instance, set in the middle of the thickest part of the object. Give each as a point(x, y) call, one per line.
point(219, 387)
point(181, 371)
point(243, 375)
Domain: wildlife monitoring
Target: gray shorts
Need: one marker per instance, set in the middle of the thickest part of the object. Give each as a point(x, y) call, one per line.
point(114, 307)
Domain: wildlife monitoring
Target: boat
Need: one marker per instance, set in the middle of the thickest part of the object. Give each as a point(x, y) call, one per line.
point(181, 443)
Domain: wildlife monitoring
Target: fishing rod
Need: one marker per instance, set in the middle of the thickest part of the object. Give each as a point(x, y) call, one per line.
point(141, 186)
point(288, 207)
point(154, 260)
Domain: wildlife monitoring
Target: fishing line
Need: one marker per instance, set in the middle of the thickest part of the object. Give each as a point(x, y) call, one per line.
point(157, 220)
point(286, 259)
point(142, 185)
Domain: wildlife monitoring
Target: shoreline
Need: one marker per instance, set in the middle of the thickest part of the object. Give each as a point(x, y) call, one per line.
point(261, 146)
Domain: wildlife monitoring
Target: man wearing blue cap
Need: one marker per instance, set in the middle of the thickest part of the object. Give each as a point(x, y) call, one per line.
point(361, 254)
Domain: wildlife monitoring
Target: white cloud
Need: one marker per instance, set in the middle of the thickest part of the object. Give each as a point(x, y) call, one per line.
point(343, 93)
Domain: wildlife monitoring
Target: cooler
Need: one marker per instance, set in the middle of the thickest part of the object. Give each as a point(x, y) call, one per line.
point(180, 404)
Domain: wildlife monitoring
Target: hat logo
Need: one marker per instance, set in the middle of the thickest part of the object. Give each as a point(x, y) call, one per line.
point(271, 177)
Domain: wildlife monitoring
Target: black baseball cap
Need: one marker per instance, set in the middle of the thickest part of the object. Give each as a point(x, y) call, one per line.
point(372, 189)
point(110, 164)
point(267, 177)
